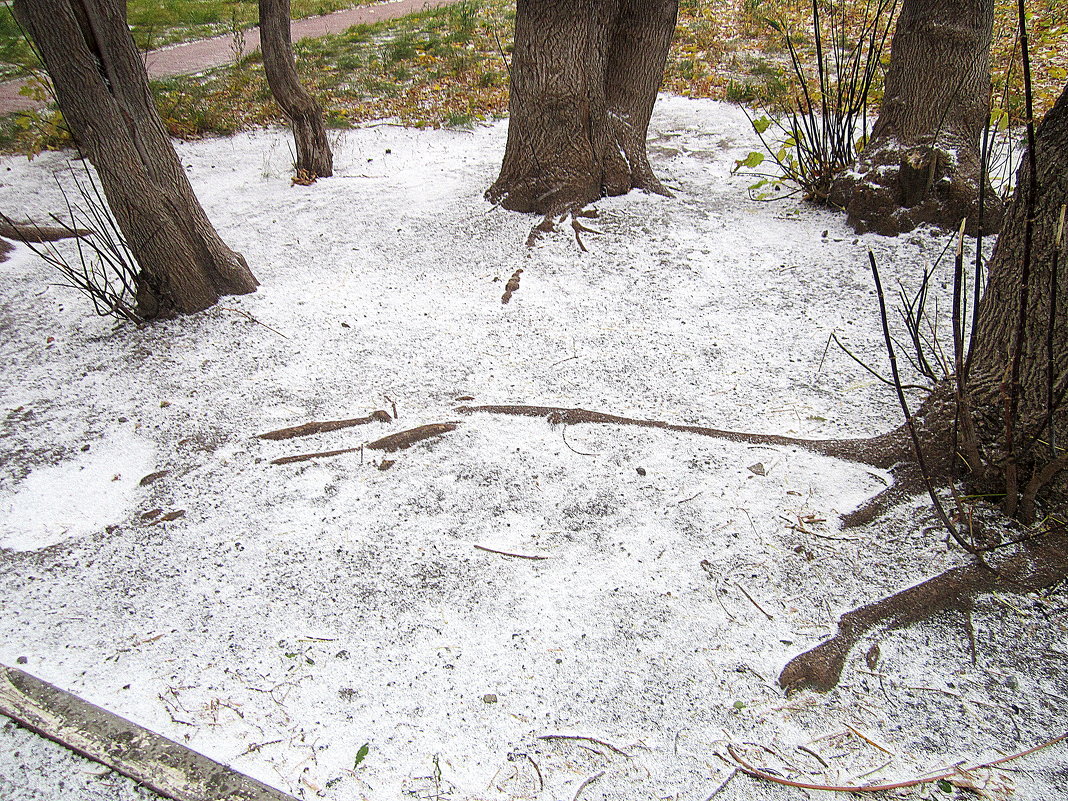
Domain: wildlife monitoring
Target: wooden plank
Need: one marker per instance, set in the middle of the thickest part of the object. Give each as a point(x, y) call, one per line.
point(169, 768)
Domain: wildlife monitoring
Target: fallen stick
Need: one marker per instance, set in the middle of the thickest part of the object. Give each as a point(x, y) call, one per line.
point(390, 443)
point(507, 553)
point(307, 429)
point(169, 768)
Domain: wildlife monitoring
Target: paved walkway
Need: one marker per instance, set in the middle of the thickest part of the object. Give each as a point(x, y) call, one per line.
point(204, 54)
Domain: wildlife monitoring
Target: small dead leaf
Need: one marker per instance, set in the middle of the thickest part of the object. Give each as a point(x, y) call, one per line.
point(758, 469)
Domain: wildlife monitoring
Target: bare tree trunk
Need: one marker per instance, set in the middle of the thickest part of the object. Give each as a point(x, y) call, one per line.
point(104, 96)
point(314, 158)
point(1037, 353)
point(584, 79)
point(922, 163)
point(636, 60)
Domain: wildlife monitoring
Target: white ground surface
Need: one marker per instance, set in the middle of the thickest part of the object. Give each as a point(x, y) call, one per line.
point(297, 612)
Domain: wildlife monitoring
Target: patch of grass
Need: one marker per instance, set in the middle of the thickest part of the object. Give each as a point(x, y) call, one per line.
point(155, 23)
point(439, 68)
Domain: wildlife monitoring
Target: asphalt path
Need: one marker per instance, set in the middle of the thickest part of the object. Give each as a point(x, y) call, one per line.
point(203, 54)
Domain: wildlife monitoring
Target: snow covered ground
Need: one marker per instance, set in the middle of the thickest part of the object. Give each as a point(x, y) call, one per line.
point(296, 612)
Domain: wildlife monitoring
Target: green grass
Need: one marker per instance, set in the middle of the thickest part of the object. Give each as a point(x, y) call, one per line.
point(439, 68)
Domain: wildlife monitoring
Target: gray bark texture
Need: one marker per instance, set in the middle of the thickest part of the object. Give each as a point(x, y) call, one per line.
point(314, 158)
point(922, 162)
point(584, 78)
point(103, 93)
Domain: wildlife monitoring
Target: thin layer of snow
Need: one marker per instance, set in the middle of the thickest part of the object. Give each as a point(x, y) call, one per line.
point(296, 612)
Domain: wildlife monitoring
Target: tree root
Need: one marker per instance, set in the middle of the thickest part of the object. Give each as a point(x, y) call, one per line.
point(1032, 566)
point(307, 429)
point(393, 442)
point(907, 483)
point(882, 452)
point(32, 232)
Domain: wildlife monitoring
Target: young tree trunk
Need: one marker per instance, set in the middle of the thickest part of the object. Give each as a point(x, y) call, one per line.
point(584, 78)
point(314, 158)
point(104, 96)
point(922, 163)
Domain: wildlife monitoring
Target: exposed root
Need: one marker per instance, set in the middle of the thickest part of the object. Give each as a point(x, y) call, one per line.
point(579, 228)
point(1033, 565)
point(907, 483)
point(307, 429)
point(549, 222)
point(32, 232)
point(393, 442)
point(546, 226)
point(405, 439)
point(882, 452)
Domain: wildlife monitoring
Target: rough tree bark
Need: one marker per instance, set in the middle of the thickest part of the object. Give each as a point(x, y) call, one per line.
point(103, 93)
point(1020, 357)
point(1018, 372)
point(584, 79)
point(314, 158)
point(922, 163)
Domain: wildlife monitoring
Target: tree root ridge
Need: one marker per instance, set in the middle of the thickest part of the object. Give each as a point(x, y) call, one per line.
point(883, 451)
point(1036, 564)
point(320, 427)
point(390, 443)
point(32, 232)
point(405, 439)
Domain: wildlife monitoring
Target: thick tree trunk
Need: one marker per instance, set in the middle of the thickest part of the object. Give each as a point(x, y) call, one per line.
point(314, 158)
point(922, 163)
point(584, 79)
point(1036, 356)
point(104, 96)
